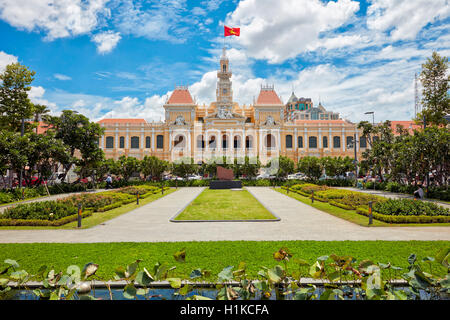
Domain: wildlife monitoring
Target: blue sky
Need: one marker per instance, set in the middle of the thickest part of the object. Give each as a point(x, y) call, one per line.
point(122, 58)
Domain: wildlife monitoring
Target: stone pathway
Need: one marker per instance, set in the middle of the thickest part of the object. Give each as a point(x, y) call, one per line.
point(393, 195)
point(150, 223)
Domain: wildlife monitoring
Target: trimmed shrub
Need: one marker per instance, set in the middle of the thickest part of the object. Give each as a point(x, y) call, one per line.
point(45, 210)
point(39, 222)
point(407, 207)
point(403, 219)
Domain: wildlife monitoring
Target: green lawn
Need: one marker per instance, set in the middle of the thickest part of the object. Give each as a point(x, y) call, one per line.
point(214, 255)
point(351, 215)
point(100, 217)
point(225, 205)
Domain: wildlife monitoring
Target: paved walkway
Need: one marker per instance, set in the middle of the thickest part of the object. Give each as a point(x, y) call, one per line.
point(49, 198)
point(150, 223)
point(394, 195)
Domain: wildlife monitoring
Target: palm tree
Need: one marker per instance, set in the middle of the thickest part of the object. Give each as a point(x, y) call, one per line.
point(39, 111)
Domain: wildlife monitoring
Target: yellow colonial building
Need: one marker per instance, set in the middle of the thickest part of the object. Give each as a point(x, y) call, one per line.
point(224, 128)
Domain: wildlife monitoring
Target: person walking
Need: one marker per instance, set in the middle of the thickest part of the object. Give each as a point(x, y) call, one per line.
point(108, 182)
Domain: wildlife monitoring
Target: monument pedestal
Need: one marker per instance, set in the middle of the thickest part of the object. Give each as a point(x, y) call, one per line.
point(225, 184)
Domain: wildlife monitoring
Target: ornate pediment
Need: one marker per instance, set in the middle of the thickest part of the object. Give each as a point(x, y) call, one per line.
point(179, 121)
point(270, 121)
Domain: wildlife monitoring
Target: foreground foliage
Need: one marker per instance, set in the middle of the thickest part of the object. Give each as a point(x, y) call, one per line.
point(341, 277)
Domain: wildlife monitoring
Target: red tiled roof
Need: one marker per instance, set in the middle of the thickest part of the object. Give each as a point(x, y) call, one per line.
point(409, 125)
point(130, 121)
point(268, 97)
point(180, 96)
point(42, 127)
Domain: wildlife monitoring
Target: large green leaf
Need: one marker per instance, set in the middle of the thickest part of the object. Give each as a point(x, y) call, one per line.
point(226, 274)
point(276, 274)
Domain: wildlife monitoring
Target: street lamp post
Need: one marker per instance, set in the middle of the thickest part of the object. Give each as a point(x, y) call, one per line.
point(373, 124)
point(353, 144)
point(373, 116)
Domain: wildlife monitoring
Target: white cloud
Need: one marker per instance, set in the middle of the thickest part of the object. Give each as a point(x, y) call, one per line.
point(6, 59)
point(57, 18)
point(62, 77)
point(162, 21)
point(403, 19)
point(282, 30)
point(106, 41)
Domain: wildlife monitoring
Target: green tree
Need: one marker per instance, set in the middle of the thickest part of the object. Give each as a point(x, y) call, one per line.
point(183, 167)
point(126, 166)
point(281, 166)
point(14, 102)
point(311, 167)
point(435, 82)
point(153, 166)
point(78, 134)
point(250, 167)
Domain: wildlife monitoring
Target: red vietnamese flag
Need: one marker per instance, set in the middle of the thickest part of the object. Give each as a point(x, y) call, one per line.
point(232, 31)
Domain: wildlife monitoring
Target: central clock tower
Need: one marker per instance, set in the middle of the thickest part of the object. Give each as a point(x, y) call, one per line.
point(224, 92)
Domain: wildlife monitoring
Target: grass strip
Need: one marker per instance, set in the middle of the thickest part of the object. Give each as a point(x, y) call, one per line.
point(225, 205)
point(216, 255)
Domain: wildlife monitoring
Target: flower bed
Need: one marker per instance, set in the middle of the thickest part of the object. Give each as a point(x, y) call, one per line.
point(59, 212)
point(45, 210)
point(387, 210)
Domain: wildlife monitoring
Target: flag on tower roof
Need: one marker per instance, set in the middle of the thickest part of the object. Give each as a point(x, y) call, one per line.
point(232, 31)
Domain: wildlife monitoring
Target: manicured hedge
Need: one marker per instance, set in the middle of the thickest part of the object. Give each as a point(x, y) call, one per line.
point(44, 223)
point(407, 207)
point(403, 219)
point(397, 211)
point(45, 210)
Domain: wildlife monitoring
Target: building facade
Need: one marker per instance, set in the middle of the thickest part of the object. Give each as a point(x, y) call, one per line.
point(226, 128)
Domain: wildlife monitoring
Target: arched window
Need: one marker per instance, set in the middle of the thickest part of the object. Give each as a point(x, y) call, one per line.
point(336, 142)
point(363, 142)
point(122, 142)
point(179, 142)
point(224, 141)
point(325, 142)
point(200, 142)
point(312, 142)
point(148, 143)
point(212, 142)
point(237, 142)
point(248, 142)
point(300, 141)
point(270, 141)
point(224, 68)
point(289, 141)
point(349, 142)
point(160, 141)
point(134, 142)
point(109, 142)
